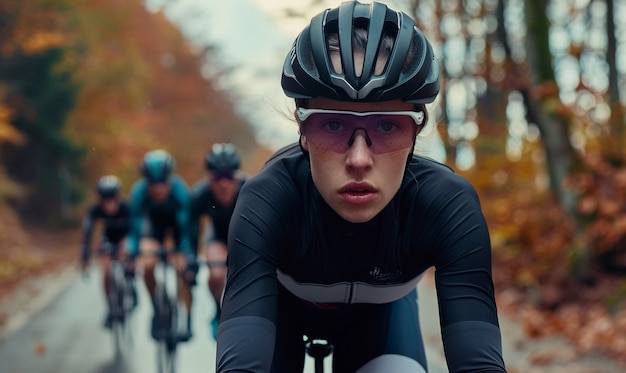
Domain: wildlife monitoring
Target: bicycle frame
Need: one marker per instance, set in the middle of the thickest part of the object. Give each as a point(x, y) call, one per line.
point(318, 349)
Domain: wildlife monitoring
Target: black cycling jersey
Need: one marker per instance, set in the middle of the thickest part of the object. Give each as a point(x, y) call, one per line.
point(115, 226)
point(203, 202)
point(294, 264)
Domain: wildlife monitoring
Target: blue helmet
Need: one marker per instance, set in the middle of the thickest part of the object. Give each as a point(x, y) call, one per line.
point(157, 166)
point(108, 186)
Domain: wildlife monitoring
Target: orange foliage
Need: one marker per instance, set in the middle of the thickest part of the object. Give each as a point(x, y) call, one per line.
point(32, 26)
point(538, 255)
point(142, 89)
point(8, 133)
point(602, 205)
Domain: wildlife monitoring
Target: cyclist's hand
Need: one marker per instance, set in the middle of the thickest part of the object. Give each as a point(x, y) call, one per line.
point(84, 266)
point(129, 266)
point(84, 259)
point(189, 275)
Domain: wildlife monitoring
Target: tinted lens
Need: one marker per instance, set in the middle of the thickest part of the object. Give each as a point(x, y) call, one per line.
point(223, 176)
point(333, 131)
point(156, 183)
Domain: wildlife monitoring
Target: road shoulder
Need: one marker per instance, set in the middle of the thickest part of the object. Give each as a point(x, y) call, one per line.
point(30, 296)
point(521, 353)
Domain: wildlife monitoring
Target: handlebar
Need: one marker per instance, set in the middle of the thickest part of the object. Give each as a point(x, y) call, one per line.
point(162, 254)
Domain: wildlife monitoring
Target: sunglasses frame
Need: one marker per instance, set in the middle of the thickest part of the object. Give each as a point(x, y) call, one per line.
point(303, 114)
point(417, 117)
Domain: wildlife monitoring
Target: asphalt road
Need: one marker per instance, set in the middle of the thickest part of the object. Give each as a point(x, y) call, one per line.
point(67, 335)
point(61, 331)
point(54, 324)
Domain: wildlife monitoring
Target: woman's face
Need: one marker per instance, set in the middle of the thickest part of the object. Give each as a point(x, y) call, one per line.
point(356, 184)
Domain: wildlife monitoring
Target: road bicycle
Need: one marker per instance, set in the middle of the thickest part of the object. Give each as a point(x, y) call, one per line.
point(166, 313)
point(122, 299)
point(318, 349)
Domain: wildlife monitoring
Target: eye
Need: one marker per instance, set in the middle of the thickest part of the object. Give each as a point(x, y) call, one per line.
point(386, 126)
point(333, 126)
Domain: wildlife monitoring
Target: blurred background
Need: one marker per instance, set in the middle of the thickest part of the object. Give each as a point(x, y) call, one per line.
point(532, 112)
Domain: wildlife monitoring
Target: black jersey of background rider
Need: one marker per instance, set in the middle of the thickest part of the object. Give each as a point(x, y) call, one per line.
point(204, 203)
point(115, 226)
point(283, 233)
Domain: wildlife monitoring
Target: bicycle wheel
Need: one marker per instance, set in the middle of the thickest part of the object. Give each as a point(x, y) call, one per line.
point(115, 299)
point(125, 307)
point(166, 357)
point(168, 337)
point(119, 333)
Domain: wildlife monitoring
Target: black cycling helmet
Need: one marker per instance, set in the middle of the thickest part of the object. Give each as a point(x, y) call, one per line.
point(108, 186)
point(223, 158)
point(157, 166)
point(411, 72)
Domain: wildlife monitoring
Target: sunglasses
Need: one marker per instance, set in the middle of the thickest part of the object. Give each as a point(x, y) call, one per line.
point(335, 130)
point(218, 176)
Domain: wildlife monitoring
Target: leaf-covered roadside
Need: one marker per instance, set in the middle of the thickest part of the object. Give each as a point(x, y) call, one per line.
point(29, 254)
point(556, 280)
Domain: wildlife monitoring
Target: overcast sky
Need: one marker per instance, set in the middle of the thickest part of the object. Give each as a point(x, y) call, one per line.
point(252, 36)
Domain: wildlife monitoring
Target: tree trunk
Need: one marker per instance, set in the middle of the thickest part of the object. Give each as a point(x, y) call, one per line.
point(543, 109)
point(617, 120)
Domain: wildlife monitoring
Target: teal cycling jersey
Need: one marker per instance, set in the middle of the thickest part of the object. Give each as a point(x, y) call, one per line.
point(154, 219)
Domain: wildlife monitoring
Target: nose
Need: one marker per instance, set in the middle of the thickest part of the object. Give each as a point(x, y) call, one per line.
point(359, 155)
point(367, 136)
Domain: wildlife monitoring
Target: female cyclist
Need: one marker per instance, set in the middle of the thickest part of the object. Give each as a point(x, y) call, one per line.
point(330, 239)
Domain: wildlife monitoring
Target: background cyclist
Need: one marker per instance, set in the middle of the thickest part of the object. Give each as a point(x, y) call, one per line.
point(112, 211)
point(159, 207)
point(215, 198)
point(330, 238)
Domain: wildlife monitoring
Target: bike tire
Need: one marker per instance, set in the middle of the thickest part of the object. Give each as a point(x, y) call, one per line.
point(167, 321)
point(118, 330)
point(166, 357)
point(114, 327)
point(118, 324)
point(172, 340)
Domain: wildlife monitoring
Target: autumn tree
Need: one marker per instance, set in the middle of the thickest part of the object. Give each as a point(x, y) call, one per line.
point(89, 87)
point(39, 95)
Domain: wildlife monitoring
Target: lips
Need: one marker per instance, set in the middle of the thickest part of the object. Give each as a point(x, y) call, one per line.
point(358, 192)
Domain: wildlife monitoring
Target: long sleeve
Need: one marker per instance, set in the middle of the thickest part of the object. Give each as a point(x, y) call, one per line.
point(182, 195)
point(456, 231)
point(196, 213)
point(247, 331)
point(137, 195)
point(87, 230)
